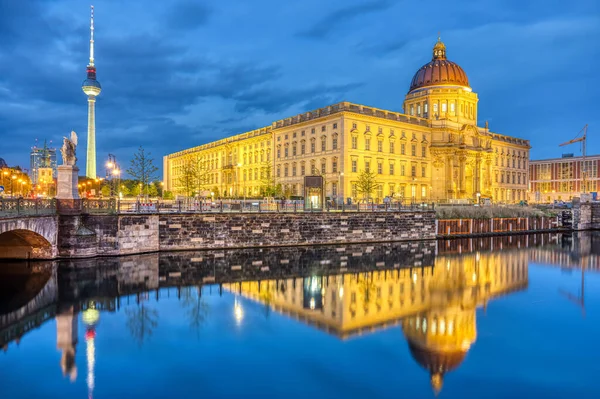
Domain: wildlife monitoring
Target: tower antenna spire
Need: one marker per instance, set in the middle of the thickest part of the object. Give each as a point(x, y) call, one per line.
point(92, 36)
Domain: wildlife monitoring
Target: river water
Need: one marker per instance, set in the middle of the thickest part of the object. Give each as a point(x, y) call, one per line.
point(503, 317)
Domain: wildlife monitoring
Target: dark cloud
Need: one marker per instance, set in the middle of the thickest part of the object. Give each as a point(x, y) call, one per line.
point(188, 14)
point(273, 100)
point(182, 73)
point(333, 20)
point(378, 49)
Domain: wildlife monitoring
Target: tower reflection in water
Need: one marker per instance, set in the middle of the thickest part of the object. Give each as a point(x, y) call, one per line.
point(430, 290)
point(435, 305)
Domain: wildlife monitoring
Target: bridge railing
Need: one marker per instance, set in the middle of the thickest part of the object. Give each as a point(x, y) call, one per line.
point(99, 206)
point(256, 206)
point(27, 206)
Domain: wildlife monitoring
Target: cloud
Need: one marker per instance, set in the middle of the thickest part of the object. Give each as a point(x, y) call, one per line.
point(188, 14)
point(276, 99)
point(333, 20)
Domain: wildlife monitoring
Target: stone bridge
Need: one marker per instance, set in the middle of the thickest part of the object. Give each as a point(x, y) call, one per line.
point(29, 237)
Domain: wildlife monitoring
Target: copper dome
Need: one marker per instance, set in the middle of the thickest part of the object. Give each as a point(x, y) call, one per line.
point(439, 71)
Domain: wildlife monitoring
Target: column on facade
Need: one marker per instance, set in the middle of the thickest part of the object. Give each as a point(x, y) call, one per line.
point(488, 173)
point(449, 175)
point(461, 173)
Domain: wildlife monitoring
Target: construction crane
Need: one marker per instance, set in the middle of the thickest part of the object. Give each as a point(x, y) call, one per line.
point(581, 139)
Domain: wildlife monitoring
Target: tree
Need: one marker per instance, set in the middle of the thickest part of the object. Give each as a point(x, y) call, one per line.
point(141, 322)
point(187, 179)
point(268, 182)
point(105, 190)
point(366, 183)
point(142, 168)
point(196, 307)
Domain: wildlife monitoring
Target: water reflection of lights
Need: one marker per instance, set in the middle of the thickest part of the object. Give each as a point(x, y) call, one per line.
point(90, 318)
point(414, 277)
point(341, 292)
point(314, 284)
point(312, 303)
point(238, 312)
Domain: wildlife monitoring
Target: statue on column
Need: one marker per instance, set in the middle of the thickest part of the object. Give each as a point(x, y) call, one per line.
point(68, 149)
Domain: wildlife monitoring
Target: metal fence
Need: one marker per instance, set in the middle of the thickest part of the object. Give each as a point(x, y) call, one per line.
point(26, 206)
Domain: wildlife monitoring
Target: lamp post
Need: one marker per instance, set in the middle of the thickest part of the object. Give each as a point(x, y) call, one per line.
point(4, 176)
point(12, 193)
point(339, 187)
point(237, 180)
point(112, 171)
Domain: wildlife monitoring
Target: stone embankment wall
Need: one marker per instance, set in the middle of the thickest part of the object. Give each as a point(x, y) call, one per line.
point(587, 216)
point(177, 232)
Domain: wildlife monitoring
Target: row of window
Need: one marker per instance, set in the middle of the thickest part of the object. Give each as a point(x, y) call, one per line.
point(392, 147)
point(516, 163)
point(505, 177)
point(295, 149)
point(303, 132)
point(423, 110)
point(392, 168)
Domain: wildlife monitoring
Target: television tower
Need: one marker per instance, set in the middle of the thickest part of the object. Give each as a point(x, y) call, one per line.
point(92, 88)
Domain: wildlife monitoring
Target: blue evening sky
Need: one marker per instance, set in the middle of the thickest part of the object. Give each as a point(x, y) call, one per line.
point(179, 73)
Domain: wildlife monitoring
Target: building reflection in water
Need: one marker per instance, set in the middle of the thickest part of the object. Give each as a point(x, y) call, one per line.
point(430, 290)
point(435, 305)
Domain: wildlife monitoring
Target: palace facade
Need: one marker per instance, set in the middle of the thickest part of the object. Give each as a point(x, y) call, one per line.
point(434, 151)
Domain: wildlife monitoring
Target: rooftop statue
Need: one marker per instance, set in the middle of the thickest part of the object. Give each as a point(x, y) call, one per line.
point(68, 149)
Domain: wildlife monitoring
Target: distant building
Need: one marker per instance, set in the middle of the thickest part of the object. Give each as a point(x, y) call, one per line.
point(42, 164)
point(3, 164)
point(562, 179)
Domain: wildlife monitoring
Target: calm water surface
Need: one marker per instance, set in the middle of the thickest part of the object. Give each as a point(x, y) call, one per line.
point(509, 317)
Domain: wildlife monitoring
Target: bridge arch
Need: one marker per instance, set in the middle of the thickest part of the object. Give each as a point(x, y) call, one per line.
point(24, 244)
point(28, 238)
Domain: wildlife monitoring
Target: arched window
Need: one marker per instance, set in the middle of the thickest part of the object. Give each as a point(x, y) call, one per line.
point(323, 166)
point(334, 165)
point(294, 146)
point(303, 147)
point(313, 145)
point(334, 142)
point(323, 143)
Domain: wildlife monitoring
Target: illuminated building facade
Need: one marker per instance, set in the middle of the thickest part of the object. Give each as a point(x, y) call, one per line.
point(42, 164)
point(562, 178)
point(432, 151)
point(91, 87)
point(435, 305)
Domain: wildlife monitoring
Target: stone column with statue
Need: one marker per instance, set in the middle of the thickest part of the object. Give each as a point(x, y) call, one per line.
point(68, 172)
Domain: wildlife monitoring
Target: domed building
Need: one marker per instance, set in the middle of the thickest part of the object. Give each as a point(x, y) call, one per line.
point(433, 150)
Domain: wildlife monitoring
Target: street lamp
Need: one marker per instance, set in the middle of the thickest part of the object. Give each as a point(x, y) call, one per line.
point(12, 193)
point(339, 187)
point(237, 180)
